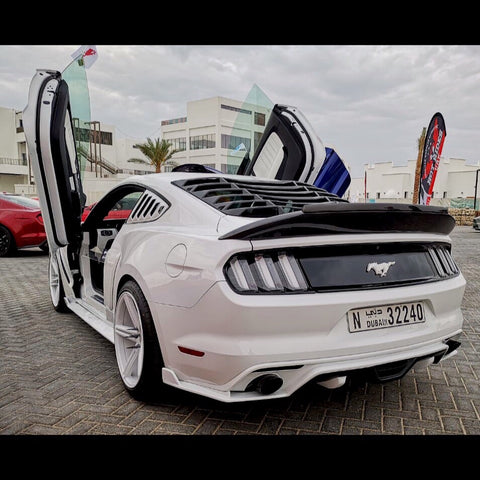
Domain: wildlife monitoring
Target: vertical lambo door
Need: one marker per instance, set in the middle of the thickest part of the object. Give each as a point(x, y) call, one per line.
point(289, 149)
point(50, 139)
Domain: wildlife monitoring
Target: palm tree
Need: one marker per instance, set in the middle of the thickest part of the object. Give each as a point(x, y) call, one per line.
point(157, 152)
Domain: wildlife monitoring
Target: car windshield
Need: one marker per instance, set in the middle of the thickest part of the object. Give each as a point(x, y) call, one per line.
point(23, 201)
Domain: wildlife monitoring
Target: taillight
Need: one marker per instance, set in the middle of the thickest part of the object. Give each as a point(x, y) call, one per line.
point(39, 219)
point(265, 273)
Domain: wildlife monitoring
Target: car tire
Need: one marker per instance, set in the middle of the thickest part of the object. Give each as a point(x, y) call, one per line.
point(137, 350)
point(44, 247)
point(57, 294)
point(7, 243)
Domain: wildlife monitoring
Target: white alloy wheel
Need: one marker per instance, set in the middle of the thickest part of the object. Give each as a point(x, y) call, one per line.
point(129, 339)
point(54, 280)
point(55, 283)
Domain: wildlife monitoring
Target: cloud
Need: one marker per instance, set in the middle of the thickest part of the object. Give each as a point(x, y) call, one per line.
point(371, 102)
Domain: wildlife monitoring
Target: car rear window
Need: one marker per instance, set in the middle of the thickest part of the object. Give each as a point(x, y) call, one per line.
point(255, 199)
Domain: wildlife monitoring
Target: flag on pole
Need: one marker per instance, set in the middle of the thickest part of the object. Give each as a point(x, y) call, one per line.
point(432, 150)
point(87, 54)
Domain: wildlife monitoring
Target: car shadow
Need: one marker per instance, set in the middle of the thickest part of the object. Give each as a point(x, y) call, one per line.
point(28, 252)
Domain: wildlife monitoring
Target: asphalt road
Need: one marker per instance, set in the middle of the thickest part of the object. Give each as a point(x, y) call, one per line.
point(59, 377)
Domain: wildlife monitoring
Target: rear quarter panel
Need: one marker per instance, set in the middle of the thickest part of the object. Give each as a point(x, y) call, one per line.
point(172, 268)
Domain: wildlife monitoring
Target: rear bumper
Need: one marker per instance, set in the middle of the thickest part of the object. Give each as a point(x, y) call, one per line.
point(297, 337)
point(330, 373)
point(29, 233)
point(38, 240)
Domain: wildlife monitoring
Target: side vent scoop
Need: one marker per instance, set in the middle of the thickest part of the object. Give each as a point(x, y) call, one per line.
point(148, 208)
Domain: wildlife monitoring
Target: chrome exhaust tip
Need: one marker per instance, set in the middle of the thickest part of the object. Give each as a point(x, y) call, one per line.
point(265, 384)
point(332, 383)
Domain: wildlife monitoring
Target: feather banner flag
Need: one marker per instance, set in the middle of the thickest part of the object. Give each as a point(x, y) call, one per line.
point(432, 150)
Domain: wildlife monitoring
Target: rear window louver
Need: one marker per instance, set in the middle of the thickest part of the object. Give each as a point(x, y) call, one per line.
point(255, 199)
point(148, 208)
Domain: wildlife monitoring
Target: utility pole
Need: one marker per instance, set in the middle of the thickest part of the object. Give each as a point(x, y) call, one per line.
point(418, 168)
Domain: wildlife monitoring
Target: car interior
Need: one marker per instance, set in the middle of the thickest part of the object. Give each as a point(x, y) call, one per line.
point(103, 224)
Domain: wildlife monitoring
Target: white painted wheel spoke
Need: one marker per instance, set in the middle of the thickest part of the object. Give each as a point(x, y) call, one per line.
point(132, 311)
point(54, 280)
point(131, 364)
point(127, 332)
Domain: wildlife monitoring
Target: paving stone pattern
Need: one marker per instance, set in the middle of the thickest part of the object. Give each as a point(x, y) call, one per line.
point(58, 376)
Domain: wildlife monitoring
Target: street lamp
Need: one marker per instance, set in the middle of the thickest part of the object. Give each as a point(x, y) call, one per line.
point(475, 198)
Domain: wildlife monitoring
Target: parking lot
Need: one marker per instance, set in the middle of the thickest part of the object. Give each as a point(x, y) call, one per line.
point(58, 376)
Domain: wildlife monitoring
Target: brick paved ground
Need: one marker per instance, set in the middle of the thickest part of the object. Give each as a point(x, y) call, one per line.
point(58, 376)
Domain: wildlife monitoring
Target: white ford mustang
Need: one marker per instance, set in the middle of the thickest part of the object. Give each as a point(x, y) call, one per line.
point(244, 287)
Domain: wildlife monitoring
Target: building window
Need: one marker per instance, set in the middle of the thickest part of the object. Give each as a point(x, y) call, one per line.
point(232, 142)
point(235, 109)
point(83, 135)
point(378, 194)
point(259, 119)
point(106, 138)
point(200, 142)
point(444, 194)
point(179, 144)
point(405, 194)
point(173, 121)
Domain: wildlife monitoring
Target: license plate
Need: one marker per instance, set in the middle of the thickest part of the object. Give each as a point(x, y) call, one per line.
point(385, 316)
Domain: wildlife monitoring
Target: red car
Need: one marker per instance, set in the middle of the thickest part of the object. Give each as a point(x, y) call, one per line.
point(120, 211)
point(21, 224)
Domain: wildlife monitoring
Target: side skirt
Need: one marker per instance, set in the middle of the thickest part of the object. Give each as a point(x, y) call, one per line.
point(95, 320)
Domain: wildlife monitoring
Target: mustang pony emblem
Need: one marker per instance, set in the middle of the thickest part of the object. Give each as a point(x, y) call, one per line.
point(380, 268)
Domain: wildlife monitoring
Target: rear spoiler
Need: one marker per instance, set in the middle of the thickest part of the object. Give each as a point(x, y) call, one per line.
point(340, 218)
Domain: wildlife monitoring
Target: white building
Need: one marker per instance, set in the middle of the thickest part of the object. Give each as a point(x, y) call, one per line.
point(385, 182)
point(216, 132)
point(14, 166)
point(109, 157)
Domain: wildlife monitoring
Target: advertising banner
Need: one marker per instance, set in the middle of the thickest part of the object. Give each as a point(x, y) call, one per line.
point(432, 150)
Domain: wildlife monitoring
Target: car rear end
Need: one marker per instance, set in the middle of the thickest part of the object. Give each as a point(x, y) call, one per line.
point(23, 217)
point(323, 292)
point(476, 223)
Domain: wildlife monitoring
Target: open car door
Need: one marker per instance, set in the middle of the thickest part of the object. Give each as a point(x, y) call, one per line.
point(289, 149)
point(49, 134)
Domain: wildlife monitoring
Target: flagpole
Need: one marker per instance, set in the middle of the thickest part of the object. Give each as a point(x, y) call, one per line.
point(365, 188)
point(416, 184)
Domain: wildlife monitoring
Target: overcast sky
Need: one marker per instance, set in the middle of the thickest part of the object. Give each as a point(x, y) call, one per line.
point(369, 102)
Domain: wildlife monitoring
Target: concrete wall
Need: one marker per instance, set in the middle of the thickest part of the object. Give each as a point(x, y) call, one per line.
point(8, 144)
point(455, 178)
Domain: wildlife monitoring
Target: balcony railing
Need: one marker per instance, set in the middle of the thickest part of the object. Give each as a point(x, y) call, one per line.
point(13, 161)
